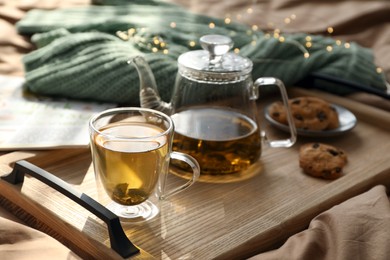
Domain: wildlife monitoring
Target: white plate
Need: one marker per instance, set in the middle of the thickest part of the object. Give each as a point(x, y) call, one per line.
point(346, 118)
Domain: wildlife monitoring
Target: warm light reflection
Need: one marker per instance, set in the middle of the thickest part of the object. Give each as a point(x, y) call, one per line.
point(122, 35)
point(131, 31)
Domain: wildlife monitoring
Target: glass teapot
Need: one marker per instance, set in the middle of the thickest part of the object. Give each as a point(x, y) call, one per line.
point(213, 106)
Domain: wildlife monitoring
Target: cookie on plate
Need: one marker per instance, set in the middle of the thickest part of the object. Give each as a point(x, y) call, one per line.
point(277, 112)
point(322, 160)
point(333, 117)
point(309, 113)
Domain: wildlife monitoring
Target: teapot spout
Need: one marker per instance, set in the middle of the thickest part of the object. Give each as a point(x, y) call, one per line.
point(148, 92)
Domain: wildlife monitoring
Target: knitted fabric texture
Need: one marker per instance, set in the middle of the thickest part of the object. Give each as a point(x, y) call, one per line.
point(79, 55)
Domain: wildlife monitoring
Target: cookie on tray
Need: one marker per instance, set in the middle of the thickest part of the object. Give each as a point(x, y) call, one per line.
point(309, 113)
point(322, 160)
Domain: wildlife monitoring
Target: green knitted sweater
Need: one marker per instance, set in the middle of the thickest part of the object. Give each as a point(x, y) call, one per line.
point(80, 56)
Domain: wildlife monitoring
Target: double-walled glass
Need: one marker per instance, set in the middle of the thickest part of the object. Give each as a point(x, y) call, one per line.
point(131, 152)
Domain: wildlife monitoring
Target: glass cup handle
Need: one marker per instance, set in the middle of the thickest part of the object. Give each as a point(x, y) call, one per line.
point(195, 173)
point(293, 131)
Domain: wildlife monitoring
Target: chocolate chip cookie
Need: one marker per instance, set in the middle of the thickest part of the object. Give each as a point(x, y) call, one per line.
point(322, 160)
point(309, 113)
point(333, 118)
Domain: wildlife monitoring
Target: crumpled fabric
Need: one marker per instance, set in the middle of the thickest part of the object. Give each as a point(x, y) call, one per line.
point(79, 55)
point(355, 229)
point(20, 242)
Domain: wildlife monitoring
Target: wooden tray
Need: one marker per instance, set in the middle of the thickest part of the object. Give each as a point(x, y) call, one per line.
point(226, 219)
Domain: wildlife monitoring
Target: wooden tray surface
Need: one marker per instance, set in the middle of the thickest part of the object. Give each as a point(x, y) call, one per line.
point(233, 219)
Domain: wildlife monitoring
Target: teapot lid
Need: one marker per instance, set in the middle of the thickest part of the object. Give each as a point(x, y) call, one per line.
point(214, 62)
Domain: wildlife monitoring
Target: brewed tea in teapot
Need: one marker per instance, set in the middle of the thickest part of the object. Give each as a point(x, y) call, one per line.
point(213, 106)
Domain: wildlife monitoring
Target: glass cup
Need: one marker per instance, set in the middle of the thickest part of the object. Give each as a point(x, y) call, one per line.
point(131, 152)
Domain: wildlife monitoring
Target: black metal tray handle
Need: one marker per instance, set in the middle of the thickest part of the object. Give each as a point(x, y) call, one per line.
point(118, 239)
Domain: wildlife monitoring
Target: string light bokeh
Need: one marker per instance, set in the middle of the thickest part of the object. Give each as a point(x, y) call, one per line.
point(270, 30)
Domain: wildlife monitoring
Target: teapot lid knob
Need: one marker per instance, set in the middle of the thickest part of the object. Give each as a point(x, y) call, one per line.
point(214, 63)
point(216, 45)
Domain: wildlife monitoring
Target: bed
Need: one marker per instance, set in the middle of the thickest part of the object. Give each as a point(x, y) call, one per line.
point(364, 24)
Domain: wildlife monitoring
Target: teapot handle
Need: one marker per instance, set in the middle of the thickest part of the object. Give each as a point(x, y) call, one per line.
point(293, 131)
